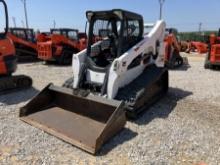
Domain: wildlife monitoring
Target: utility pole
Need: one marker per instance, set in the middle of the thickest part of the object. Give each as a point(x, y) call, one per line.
point(14, 21)
point(200, 27)
point(22, 22)
point(161, 7)
point(54, 24)
point(25, 12)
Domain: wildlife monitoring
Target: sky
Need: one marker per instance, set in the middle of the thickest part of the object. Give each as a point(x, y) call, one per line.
point(185, 15)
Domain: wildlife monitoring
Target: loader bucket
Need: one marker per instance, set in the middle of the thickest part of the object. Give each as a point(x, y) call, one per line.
point(86, 122)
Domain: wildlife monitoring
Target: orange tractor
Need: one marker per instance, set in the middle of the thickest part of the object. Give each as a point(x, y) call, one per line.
point(8, 61)
point(213, 56)
point(196, 46)
point(25, 43)
point(173, 58)
point(61, 45)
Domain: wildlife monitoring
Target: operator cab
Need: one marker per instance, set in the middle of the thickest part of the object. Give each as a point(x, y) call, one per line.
point(173, 31)
point(116, 31)
point(23, 33)
point(71, 34)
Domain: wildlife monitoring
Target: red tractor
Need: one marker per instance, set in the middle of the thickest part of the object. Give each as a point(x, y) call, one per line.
point(60, 45)
point(8, 61)
point(25, 43)
point(213, 56)
point(196, 46)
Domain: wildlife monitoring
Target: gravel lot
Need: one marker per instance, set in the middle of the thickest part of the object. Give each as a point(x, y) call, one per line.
point(182, 128)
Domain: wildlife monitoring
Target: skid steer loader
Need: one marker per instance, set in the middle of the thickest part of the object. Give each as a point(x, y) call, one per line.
point(8, 61)
point(122, 73)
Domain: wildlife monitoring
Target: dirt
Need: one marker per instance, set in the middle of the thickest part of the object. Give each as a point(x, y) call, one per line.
point(182, 128)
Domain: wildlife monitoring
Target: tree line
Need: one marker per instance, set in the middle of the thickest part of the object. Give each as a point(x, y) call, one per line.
point(195, 36)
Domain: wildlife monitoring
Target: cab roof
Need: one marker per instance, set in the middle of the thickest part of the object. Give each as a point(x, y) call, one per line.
point(63, 29)
point(20, 28)
point(115, 13)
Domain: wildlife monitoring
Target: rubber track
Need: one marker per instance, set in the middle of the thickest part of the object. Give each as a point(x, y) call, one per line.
point(131, 92)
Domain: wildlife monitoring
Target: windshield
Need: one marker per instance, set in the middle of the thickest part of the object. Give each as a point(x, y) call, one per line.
point(30, 35)
point(25, 34)
point(73, 35)
point(19, 34)
point(105, 28)
point(107, 33)
point(55, 32)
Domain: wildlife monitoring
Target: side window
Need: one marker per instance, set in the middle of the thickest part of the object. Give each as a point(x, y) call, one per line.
point(133, 28)
point(29, 35)
point(64, 33)
point(55, 32)
point(72, 35)
point(131, 34)
point(20, 34)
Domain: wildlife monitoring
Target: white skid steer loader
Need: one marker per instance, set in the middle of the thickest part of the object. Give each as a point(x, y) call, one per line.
point(122, 73)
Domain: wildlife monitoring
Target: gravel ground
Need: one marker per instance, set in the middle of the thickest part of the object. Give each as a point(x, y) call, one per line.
point(182, 128)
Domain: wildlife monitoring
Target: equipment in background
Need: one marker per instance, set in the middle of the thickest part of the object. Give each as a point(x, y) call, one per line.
point(60, 45)
point(8, 62)
point(25, 43)
point(213, 57)
point(173, 58)
point(196, 46)
point(122, 72)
